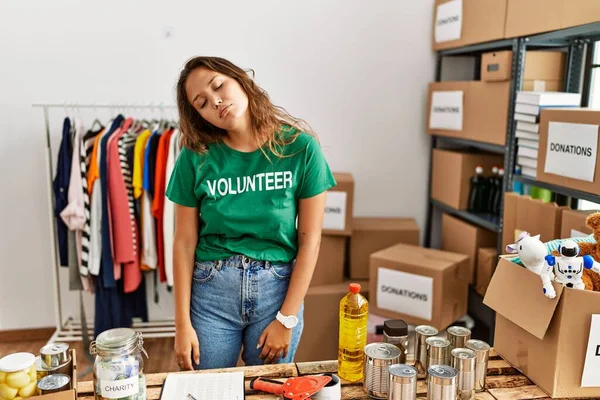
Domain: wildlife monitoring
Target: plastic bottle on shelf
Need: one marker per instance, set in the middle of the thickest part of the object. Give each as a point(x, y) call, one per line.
point(498, 197)
point(354, 314)
point(476, 188)
point(492, 189)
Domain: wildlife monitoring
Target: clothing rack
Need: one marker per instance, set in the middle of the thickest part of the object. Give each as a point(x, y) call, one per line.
point(68, 329)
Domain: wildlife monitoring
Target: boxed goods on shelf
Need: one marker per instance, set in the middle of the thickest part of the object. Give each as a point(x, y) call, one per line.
point(451, 174)
point(459, 23)
point(471, 110)
point(568, 154)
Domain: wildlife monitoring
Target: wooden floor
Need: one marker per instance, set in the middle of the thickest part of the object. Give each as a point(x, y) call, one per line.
point(162, 357)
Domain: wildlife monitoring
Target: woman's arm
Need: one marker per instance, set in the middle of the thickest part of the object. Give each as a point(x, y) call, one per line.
point(184, 247)
point(276, 338)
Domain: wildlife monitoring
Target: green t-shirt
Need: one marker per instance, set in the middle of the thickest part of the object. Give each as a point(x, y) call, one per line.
point(247, 203)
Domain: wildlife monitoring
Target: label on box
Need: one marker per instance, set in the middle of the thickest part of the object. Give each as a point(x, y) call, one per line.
point(405, 293)
point(448, 21)
point(121, 388)
point(539, 86)
point(447, 110)
point(576, 233)
point(572, 150)
point(335, 211)
point(591, 368)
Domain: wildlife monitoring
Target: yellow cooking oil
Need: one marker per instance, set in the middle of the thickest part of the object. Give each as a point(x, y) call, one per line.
point(354, 312)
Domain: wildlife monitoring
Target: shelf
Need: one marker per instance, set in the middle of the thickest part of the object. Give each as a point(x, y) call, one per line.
point(486, 221)
point(478, 48)
point(594, 198)
point(493, 148)
point(564, 36)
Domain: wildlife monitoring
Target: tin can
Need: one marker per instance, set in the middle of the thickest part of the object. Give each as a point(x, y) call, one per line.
point(54, 383)
point(422, 332)
point(55, 355)
point(482, 353)
point(396, 332)
point(458, 335)
point(438, 351)
point(42, 370)
point(463, 361)
point(377, 359)
point(441, 382)
point(403, 382)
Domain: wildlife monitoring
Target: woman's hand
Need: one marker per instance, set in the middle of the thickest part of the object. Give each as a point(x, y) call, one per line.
point(274, 340)
point(186, 345)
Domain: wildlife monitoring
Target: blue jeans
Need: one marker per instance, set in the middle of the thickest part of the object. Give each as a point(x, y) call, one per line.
point(233, 301)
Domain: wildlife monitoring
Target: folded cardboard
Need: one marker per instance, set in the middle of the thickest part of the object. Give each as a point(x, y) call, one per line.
point(487, 258)
point(546, 339)
point(418, 285)
point(527, 17)
point(331, 262)
point(542, 66)
point(522, 213)
point(573, 224)
point(471, 110)
point(70, 394)
point(339, 206)
point(321, 321)
point(373, 234)
point(477, 21)
point(451, 174)
point(568, 151)
point(462, 237)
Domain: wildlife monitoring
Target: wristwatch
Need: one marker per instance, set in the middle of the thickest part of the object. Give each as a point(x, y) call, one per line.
point(289, 321)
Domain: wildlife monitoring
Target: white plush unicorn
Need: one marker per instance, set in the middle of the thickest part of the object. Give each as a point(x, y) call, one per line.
point(532, 252)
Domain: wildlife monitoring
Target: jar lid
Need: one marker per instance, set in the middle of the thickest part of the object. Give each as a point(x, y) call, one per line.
point(16, 362)
point(395, 327)
point(116, 338)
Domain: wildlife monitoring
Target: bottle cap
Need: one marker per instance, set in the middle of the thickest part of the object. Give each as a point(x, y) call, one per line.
point(495, 169)
point(501, 171)
point(479, 169)
point(354, 288)
point(395, 327)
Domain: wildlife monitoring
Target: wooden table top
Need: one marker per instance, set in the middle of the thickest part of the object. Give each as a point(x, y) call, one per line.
point(503, 381)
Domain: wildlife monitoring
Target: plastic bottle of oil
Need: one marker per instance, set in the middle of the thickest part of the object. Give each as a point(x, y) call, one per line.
point(354, 312)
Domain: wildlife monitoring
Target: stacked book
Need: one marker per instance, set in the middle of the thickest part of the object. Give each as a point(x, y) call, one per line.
point(527, 116)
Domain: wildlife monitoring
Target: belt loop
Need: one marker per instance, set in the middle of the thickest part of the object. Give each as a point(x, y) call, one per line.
point(219, 264)
point(267, 264)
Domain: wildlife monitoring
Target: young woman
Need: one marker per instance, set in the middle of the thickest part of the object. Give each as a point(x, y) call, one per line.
point(249, 187)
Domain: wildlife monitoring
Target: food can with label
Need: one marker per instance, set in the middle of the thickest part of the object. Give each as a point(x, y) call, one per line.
point(54, 384)
point(458, 335)
point(377, 359)
point(441, 382)
point(482, 353)
point(403, 382)
point(463, 361)
point(422, 332)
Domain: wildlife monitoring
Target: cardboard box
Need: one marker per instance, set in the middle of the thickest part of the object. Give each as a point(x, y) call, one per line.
point(462, 237)
point(418, 285)
point(373, 234)
point(487, 259)
point(539, 66)
point(537, 85)
point(580, 12)
point(527, 17)
point(321, 321)
point(452, 172)
point(331, 262)
point(339, 206)
point(484, 109)
point(67, 394)
point(478, 21)
point(568, 162)
point(573, 224)
point(546, 339)
point(522, 213)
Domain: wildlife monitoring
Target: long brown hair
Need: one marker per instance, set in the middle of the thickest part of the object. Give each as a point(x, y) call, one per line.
point(267, 120)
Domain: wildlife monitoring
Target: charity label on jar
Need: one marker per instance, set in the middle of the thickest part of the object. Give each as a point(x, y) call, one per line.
point(120, 388)
point(118, 378)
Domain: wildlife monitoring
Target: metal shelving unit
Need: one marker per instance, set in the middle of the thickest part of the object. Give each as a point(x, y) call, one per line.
point(576, 41)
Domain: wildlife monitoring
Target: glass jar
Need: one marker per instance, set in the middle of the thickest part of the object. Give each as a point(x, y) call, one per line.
point(18, 378)
point(119, 366)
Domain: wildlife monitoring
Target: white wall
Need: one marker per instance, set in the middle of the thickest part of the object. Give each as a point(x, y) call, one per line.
point(356, 70)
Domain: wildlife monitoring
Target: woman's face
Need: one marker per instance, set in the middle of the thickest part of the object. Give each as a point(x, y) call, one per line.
point(218, 98)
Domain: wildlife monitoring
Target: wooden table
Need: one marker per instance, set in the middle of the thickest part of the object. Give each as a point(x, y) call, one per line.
point(503, 381)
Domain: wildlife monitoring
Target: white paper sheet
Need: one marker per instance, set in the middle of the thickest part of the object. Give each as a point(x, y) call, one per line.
point(210, 386)
point(591, 368)
point(448, 21)
point(572, 150)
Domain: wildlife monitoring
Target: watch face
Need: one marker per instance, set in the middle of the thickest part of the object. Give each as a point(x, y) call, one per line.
point(290, 322)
